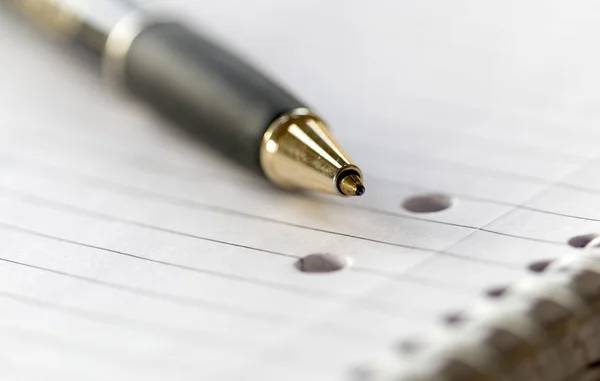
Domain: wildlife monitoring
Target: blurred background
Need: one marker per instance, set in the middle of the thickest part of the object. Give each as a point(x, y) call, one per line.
point(493, 105)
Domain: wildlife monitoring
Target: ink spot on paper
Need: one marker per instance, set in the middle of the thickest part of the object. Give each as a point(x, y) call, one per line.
point(322, 263)
point(362, 373)
point(427, 203)
point(455, 318)
point(582, 241)
point(410, 346)
point(496, 292)
point(539, 266)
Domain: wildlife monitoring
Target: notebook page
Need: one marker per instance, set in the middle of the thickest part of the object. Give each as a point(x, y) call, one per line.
point(129, 252)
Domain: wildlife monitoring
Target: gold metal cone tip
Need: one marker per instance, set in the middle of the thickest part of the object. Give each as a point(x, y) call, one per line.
point(351, 185)
point(298, 152)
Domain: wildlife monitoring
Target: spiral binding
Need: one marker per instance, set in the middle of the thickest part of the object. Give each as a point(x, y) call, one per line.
point(545, 327)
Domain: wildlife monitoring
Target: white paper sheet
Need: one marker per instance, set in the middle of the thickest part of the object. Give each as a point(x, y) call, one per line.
point(129, 253)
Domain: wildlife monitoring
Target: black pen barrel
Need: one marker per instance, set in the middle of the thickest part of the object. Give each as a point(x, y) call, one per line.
point(204, 89)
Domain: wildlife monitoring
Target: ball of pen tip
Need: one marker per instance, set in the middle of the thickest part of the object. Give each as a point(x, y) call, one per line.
point(352, 185)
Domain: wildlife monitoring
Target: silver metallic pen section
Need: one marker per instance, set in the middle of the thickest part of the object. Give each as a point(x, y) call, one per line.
point(88, 22)
point(117, 46)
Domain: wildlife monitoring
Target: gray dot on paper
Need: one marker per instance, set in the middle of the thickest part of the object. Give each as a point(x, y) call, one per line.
point(539, 266)
point(455, 318)
point(582, 241)
point(427, 203)
point(496, 292)
point(322, 263)
point(410, 346)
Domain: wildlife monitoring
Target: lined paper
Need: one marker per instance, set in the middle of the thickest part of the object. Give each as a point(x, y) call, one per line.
point(129, 252)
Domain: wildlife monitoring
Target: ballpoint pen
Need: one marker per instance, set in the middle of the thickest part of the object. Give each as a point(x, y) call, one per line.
point(205, 90)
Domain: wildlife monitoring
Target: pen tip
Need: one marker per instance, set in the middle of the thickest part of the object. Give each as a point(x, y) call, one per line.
point(360, 190)
point(352, 185)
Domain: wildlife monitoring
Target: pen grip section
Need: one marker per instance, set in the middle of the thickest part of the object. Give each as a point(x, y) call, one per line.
point(205, 89)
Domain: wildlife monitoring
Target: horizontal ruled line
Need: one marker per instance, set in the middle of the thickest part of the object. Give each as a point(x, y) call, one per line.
point(55, 341)
point(106, 318)
point(135, 191)
point(375, 305)
point(565, 157)
point(185, 301)
point(69, 208)
point(379, 305)
point(36, 200)
point(278, 286)
point(128, 189)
